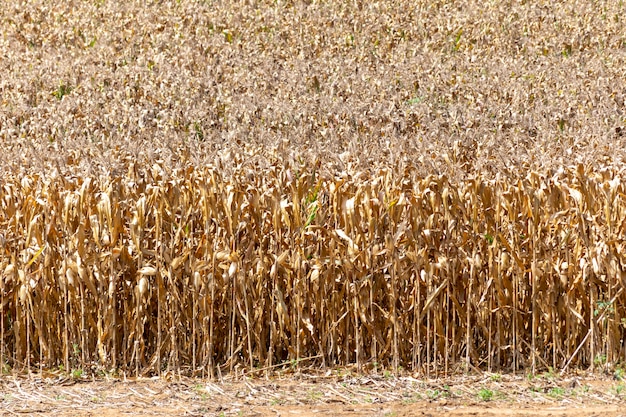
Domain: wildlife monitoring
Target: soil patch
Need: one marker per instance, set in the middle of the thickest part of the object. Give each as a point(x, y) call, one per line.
point(316, 395)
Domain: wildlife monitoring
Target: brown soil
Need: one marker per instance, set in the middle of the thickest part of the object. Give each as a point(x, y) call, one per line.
point(316, 395)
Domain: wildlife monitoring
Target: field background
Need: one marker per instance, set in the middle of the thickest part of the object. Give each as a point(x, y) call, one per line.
point(222, 187)
point(492, 87)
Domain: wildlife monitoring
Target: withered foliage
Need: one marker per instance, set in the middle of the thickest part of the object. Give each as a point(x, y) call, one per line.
point(488, 86)
point(204, 186)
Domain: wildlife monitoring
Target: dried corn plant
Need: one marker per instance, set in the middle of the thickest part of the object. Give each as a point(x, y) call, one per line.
point(197, 271)
point(499, 87)
point(210, 186)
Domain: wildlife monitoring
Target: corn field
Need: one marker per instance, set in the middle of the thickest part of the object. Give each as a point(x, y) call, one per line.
point(195, 271)
point(212, 187)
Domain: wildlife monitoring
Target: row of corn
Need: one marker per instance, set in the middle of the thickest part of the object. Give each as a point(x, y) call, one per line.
point(204, 273)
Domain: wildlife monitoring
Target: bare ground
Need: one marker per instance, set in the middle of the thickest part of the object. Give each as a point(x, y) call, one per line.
point(304, 394)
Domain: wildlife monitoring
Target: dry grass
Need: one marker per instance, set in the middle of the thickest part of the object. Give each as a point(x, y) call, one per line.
point(204, 187)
